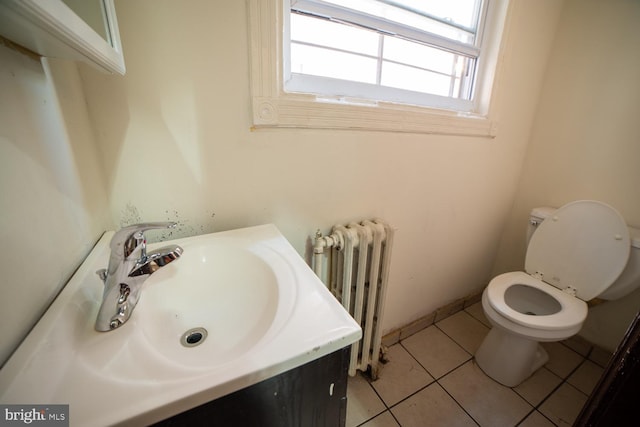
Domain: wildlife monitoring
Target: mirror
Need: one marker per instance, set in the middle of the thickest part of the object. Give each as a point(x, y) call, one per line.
point(81, 30)
point(93, 13)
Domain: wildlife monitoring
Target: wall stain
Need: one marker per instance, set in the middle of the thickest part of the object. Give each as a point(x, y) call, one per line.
point(184, 228)
point(129, 216)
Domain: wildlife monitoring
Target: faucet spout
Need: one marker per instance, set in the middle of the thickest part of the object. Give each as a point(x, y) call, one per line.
point(129, 266)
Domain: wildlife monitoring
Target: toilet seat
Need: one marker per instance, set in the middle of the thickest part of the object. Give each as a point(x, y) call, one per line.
point(572, 313)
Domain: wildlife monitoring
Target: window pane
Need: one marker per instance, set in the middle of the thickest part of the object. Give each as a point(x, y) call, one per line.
point(461, 12)
point(419, 55)
point(402, 54)
point(403, 77)
point(326, 33)
point(330, 63)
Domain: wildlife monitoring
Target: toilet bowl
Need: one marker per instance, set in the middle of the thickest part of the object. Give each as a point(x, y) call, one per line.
point(574, 255)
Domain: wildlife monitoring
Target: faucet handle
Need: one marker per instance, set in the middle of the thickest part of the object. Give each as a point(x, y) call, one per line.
point(128, 239)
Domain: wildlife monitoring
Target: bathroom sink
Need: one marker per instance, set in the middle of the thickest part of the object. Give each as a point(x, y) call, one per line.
point(254, 308)
point(232, 291)
point(205, 289)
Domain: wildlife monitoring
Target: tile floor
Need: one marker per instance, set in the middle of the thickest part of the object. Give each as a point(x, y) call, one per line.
point(431, 379)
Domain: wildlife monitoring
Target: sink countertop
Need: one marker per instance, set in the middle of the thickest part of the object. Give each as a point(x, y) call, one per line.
point(118, 377)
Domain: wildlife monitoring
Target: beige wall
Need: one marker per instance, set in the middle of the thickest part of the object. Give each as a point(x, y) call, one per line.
point(585, 143)
point(53, 204)
point(175, 141)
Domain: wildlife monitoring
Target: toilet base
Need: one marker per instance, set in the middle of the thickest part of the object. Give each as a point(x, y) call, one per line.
point(508, 358)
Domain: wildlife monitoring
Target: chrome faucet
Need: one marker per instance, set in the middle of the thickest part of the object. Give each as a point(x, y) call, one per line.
point(129, 266)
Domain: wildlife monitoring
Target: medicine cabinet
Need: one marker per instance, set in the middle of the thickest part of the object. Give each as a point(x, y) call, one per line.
point(81, 30)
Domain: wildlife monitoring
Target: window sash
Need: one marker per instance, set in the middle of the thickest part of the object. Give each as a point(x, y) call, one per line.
point(461, 87)
point(324, 10)
point(346, 91)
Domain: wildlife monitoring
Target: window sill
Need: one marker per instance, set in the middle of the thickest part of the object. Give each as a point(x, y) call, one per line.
point(275, 108)
point(292, 111)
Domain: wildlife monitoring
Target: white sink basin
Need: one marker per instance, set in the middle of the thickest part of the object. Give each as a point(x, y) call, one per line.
point(239, 292)
point(263, 309)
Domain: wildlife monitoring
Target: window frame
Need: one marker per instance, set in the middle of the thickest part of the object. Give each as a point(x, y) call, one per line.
point(272, 106)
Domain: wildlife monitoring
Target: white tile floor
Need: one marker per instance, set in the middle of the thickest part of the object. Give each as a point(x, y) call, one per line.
point(431, 379)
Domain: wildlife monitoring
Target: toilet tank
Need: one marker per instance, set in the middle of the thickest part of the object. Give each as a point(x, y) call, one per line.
point(629, 279)
point(536, 217)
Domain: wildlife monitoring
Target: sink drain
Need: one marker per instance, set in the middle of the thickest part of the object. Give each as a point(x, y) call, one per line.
point(193, 337)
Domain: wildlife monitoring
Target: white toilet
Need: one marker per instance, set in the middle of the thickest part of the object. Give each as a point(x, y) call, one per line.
point(576, 253)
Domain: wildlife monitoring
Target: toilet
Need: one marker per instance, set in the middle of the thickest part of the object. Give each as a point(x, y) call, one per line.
point(578, 252)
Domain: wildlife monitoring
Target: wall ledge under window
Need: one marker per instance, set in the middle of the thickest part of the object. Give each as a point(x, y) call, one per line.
point(274, 108)
point(290, 111)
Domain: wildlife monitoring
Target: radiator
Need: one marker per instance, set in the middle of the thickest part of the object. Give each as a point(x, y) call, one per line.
point(356, 272)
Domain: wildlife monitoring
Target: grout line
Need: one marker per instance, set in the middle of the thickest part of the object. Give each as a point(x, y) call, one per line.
point(427, 320)
point(471, 359)
point(381, 399)
point(531, 412)
point(437, 380)
point(527, 416)
point(548, 419)
point(475, 317)
point(454, 399)
point(386, 408)
point(556, 388)
point(547, 395)
point(394, 416)
point(455, 341)
point(410, 394)
point(536, 408)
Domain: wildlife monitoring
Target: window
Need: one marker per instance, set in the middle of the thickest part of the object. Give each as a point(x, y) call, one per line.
point(408, 51)
point(376, 64)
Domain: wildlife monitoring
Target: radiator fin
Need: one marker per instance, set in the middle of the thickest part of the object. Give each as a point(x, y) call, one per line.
point(358, 257)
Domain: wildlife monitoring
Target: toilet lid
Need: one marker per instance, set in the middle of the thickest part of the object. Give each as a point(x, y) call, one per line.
point(584, 245)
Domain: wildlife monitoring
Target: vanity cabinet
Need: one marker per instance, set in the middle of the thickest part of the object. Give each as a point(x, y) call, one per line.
point(80, 30)
point(314, 394)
